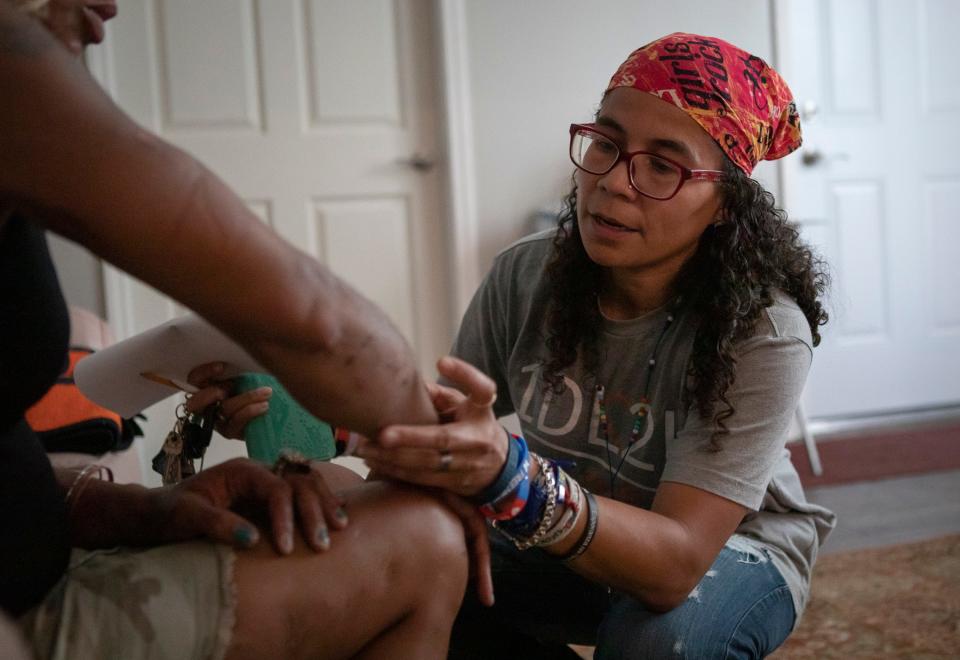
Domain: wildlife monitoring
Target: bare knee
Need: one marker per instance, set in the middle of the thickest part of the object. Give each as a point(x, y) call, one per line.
point(401, 560)
point(338, 477)
point(433, 544)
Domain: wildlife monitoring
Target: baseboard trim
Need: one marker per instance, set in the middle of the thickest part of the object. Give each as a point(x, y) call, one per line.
point(827, 429)
point(890, 452)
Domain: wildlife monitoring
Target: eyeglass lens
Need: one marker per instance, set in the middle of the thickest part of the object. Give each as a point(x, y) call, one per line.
point(649, 174)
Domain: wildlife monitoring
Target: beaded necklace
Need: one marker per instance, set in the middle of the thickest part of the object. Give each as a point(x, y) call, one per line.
point(640, 421)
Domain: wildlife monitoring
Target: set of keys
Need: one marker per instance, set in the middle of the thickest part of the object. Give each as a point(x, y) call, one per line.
point(185, 443)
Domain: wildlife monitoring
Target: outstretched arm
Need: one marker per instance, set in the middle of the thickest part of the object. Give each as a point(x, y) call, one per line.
point(656, 555)
point(70, 157)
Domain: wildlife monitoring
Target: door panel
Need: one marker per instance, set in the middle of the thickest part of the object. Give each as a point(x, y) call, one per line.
point(942, 209)
point(859, 261)
point(208, 63)
point(383, 225)
point(367, 87)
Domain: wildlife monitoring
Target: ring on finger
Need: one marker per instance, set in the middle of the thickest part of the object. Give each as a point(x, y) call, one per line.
point(446, 458)
point(292, 461)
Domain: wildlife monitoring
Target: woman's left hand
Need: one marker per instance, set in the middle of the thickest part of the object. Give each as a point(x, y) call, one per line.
point(202, 506)
point(235, 410)
point(463, 455)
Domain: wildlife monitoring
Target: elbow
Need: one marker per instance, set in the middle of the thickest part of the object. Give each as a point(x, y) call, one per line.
point(675, 587)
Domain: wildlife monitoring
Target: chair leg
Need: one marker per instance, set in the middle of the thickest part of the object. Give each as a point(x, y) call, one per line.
point(809, 442)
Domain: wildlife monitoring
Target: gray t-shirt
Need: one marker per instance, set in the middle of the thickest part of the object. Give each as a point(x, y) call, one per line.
point(503, 334)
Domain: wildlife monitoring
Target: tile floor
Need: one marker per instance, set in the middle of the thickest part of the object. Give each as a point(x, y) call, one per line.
point(892, 510)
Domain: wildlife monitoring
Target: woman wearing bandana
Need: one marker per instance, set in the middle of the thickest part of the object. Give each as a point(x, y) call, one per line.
point(654, 347)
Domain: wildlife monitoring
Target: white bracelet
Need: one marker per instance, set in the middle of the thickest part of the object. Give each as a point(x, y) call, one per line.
point(574, 511)
point(78, 483)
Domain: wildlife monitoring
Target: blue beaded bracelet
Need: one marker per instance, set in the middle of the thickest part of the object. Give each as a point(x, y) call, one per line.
point(525, 523)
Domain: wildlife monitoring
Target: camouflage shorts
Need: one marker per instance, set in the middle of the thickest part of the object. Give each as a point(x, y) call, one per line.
point(173, 602)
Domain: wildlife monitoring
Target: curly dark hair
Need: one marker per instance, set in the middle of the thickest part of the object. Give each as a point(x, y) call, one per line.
point(747, 255)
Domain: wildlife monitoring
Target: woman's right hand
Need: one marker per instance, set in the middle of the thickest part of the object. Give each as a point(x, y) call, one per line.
point(463, 454)
point(235, 411)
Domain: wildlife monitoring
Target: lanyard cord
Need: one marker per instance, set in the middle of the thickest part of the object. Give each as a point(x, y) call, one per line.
point(638, 419)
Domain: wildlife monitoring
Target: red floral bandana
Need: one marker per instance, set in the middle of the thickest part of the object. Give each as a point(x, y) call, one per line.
point(743, 104)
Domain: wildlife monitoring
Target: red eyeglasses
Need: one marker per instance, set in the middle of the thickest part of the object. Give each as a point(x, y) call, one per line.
point(651, 175)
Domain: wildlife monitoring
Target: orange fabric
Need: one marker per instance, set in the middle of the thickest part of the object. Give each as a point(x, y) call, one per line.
point(64, 405)
point(736, 97)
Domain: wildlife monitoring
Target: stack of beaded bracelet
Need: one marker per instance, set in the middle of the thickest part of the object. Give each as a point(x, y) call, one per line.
point(531, 524)
point(539, 512)
point(571, 497)
point(507, 495)
point(586, 538)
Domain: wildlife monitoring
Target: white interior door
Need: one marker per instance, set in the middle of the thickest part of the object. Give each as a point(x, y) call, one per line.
point(876, 187)
point(322, 115)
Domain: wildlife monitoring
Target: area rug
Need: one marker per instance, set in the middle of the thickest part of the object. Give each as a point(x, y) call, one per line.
point(900, 601)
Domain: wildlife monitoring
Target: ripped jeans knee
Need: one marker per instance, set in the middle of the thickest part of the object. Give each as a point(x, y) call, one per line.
point(742, 608)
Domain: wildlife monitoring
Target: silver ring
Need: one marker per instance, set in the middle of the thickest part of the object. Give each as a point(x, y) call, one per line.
point(446, 458)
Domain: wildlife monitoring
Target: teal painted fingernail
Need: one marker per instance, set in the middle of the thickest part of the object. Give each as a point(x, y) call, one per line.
point(323, 538)
point(341, 515)
point(243, 535)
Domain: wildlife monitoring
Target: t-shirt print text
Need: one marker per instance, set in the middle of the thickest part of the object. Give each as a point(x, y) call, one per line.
point(561, 417)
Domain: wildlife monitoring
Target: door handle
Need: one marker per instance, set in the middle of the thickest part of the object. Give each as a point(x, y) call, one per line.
point(812, 156)
point(808, 110)
point(418, 162)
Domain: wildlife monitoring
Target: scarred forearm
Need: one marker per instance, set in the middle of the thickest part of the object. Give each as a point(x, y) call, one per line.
point(70, 158)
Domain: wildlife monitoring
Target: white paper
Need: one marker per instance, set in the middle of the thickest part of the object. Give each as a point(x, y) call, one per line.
point(112, 377)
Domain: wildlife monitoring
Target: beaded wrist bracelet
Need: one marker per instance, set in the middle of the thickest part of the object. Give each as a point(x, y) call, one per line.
point(540, 511)
point(572, 507)
point(528, 529)
point(589, 532)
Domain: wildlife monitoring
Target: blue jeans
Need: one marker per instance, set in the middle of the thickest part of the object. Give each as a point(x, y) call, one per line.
point(742, 608)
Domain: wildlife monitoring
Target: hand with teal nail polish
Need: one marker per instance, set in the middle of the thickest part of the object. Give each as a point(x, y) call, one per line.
point(318, 509)
point(200, 506)
point(323, 538)
point(245, 536)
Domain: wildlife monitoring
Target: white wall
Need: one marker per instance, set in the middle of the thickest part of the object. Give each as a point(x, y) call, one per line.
point(80, 273)
point(536, 66)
